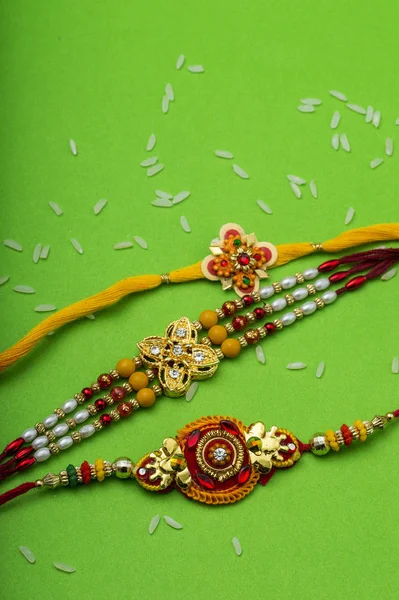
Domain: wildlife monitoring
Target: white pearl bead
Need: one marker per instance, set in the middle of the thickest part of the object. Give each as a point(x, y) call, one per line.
point(40, 442)
point(329, 297)
point(69, 405)
point(81, 416)
point(29, 434)
point(300, 294)
point(288, 282)
point(50, 421)
point(65, 442)
point(288, 319)
point(60, 429)
point(42, 454)
point(279, 304)
point(86, 431)
point(310, 274)
point(321, 284)
point(266, 292)
point(308, 308)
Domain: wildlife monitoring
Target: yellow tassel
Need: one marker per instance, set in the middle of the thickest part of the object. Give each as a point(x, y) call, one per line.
point(286, 253)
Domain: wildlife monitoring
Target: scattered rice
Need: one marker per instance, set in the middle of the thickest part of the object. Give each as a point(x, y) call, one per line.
point(335, 120)
point(148, 162)
point(263, 206)
point(377, 118)
point(349, 215)
point(165, 104)
point(13, 245)
point(389, 146)
point(306, 108)
point(76, 245)
point(90, 316)
point(99, 206)
point(376, 162)
point(335, 141)
point(237, 546)
point(172, 523)
point(24, 289)
point(369, 114)
point(313, 189)
point(397, 122)
point(4, 279)
point(56, 208)
point(192, 390)
point(153, 524)
point(296, 366)
point(139, 240)
point(51, 333)
point(169, 92)
point(123, 245)
point(72, 145)
point(223, 154)
point(45, 308)
point(36, 253)
point(339, 95)
point(345, 142)
point(163, 202)
point(240, 172)
point(356, 108)
point(162, 194)
point(28, 554)
point(320, 369)
point(389, 274)
point(155, 169)
point(45, 251)
point(296, 189)
point(260, 355)
point(196, 69)
point(152, 140)
point(395, 365)
point(296, 179)
point(184, 223)
point(180, 62)
point(64, 567)
point(180, 197)
point(311, 101)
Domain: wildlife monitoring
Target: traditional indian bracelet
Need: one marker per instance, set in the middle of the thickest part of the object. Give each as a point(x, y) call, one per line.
point(177, 358)
point(215, 460)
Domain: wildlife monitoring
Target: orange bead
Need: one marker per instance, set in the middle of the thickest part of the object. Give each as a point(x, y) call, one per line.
point(217, 334)
point(146, 397)
point(138, 380)
point(231, 347)
point(126, 367)
point(208, 318)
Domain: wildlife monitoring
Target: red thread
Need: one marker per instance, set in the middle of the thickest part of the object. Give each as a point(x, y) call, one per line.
point(18, 491)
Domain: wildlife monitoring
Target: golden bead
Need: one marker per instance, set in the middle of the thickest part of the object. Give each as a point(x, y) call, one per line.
point(40, 428)
point(243, 342)
point(298, 312)
point(319, 303)
point(108, 399)
point(219, 354)
point(64, 478)
point(217, 334)
point(53, 448)
point(60, 413)
point(79, 398)
point(77, 438)
point(79, 474)
point(127, 387)
point(231, 347)
point(138, 362)
point(114, 374)
point(146, 397)
point(239, 304)
point(250, 317)
point(277, 287)
point(197, 325)
point(278, 323)
point(290, 299)
point(114, 415)
point(157, 389)
point(268, 308)
point(390, 416)
point(91, 409)
point(133, 402)
point(220, 313)
point(95, 386)
point(50, 435)
point(150, 374)
point(262, 332)
point(299, 277)
point(206, 341)
point(255, 296)
point(229, 328)
point(138, 380)
point(125, 367)
point(311, 288)
point(97, 425)
point(71, 423)
point(208, 318)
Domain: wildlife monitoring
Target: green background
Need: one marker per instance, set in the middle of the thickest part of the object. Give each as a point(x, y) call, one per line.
point(95, 72)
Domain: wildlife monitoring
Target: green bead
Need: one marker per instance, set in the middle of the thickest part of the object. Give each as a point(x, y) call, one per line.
point(246, 280)
point(318, 444)
point(237, 242)
point(72, 478)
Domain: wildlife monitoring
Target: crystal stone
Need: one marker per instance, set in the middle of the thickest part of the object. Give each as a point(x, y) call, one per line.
point(155, 350)
point(219, 454)
point(174, 373)
point(177, 350)
point(181, 332)
point(199, 356)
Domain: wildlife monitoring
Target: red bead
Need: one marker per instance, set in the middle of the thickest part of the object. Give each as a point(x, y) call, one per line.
point(239, 322)
point(257, 256)
point(223, 263)
point(117, 393)
point(124, 409)
point(244, 474)
point(24, 464)
point(230, 427)
point(24, 452)
point(86, 473)
point(356, 282)
point(105, 381)
point(13, 446)
point(105, 420)
point(339, 276)
point(87, 393)
point(243, 260)
point(193, 438)
point(259, 313)
point(229, 308)
point(396, 413)
point(252, 336)
point(329, 265)
point(100, 404)
point(248, 300)
point(270, 328)
point(205, 481)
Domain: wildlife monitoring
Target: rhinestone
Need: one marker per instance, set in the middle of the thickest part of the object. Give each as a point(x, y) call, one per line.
point(174, 373)
point(199, 356)
point(142, 472)
point(155, 350)
point(177, 350)
point(291, 446)
point(181, 332)
point(219, 454)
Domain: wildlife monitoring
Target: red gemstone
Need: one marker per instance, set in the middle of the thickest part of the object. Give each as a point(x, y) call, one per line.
point(257, 256)
point(24, 452)
point(259, 313)
point(105, 381)
point(124, 409)
point(270, 328)
point(13, 446)
point(356, 282)
point(223, 263)
point(239, 322)
point(117, 393)
point(205, 481)
point(100, 404)
point(244, 474)
point(105, 420)
point(87, 393)
point(86, 473)
point(243, 260)
point(230, 427)
point(329, 265)
point(193, 438)
point(248, 300)
point(24, 464)
point(339, 276)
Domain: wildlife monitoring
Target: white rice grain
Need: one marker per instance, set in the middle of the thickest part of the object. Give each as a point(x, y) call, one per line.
point(162, 202)
point(338, 95)
point(180, 62)
point(395, 365)
point(192, 390)
point(260, 355)
point(51, 333)
point(240, 172)
point(263, 206)
point(389, 274)
point(148, 162)
point(36, 253)
point(296, 179)
point(237, 546)
point(169, 92)
point(162, 194)
point(296, 366)
point(335, 141)
point(56, 208)
point(377, 118)
point(196, 69)
point(165, 104)
point(369, 114)
point(45, 252)
point(313, 189)
point(376, 162)
point(64, 567)
point(76, 245)
point(223, 154)
point(140, 241)
point(320, 369)
point(356, 108)
point(152, 140)
point(172, 523)
point(389, 146)
point(91, 317)
point(97, 208)
point(349, 215)
point(28, 554)
point(343, 138)
point(123, 245)
point(306, 108)
point(4, 279)
point(296, 189)
point(13, 245)
point(185, 226)
point(72, 145)
point(180, 197)
point(24, 289)
point(45, 308)
point(397, 122)
point(312, 101)
point(153, 524)
point(155, 169)
point(335, 120)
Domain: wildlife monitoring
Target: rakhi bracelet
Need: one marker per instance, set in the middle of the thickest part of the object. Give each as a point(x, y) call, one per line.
point(214, 460)
point(176, 359)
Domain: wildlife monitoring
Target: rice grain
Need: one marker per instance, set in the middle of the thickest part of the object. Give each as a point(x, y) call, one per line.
point(169, 92)
point(345, 142)
point(45, 252)
point(152, 140)
point(377, 118)
point(356, 108)
point(165, 104)
point(196, 69)
point(312, 101)
point(148, 162)
point(369, 114)
point(36, 253)
point(335, 120)
point(172, 523)
point(335, 141)
point(338, 95)
point(155, 169)
point(263, 206)
point(162, 202)
point(180, 197)
point(72, 145)
point(140, 241)
point(376, 162)
point(184, 223)
point(28, 554)
point(192, 390)
point(24, 289)
point(240, 172)
point(97, 208)
point(296, 189)
point(223, 154)
point(4, 279)
point(153, 524)
point(76, 245)
point(389, 146)
point(237, 546)
point(296, 366)
point(260, 355)
point(91, 317)
point(395, 365)
point(162, 194)
point(123, 245)
point(13, 245)
point(64, 567)
point(320, 369)
point(45, 308)
point(389, 274)
point(349, 215)
point(313, 189)
point(296, 179)
point(56, 208)
point(180, 62)
point(306, 108)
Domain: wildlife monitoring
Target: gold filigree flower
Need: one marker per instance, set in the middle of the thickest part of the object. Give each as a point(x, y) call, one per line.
point(264, 446)
point(168, 464)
